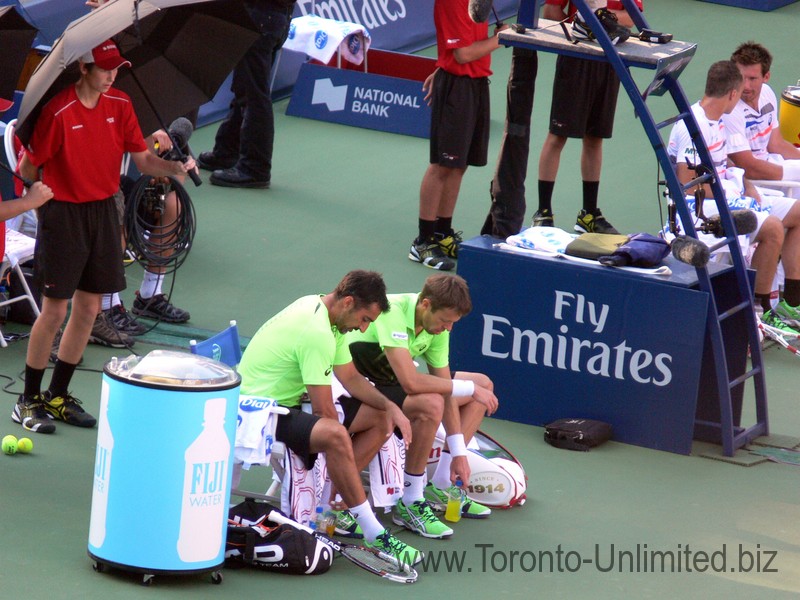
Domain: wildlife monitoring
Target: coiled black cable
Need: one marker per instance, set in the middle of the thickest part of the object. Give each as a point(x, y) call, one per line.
point(152, 244)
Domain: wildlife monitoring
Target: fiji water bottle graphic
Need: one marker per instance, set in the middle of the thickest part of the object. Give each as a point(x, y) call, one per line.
point(204, 504)
point(102, 470)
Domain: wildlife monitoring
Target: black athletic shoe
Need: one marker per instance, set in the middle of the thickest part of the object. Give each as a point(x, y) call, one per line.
point(31, 414)
point(593, 222)
point(543, 218)
point(67, 408)
point(211, 162)
point(158, 307)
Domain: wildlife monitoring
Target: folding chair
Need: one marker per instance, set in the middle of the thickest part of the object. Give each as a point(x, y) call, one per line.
point(226, 347)
point(27, 222)
point(19, 248)
point(223, 346)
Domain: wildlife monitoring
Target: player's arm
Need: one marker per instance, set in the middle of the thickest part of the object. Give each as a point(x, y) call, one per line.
point(779, 145)
point(451, 420)
point(150, 164)
point(686, 174)
point(554, 12)
point(413, 381)
point(358, 387)
point(322, 401)
point(480, 48)
point(755, 168)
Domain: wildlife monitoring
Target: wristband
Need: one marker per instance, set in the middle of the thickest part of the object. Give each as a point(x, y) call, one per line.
point(456, 445)
point(463, 387)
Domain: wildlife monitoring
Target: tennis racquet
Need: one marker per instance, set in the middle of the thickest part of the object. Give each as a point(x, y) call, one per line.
point(369, 559)
point(779, 336)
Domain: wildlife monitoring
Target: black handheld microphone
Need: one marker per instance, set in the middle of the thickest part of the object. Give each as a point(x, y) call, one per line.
point(690, 251)
point(745, 221)
point(180, 130)
point(479, 10)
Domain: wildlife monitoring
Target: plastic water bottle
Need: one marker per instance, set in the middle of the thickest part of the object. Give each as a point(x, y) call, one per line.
point(204, 504)
point(3, 309)
point(102, 472)
point(455, 498)
point(325, 521)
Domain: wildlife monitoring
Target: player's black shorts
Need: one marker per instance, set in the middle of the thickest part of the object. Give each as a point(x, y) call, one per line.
point(459, 120)
point(78, 247)
point(294, 430)
point(584, 98)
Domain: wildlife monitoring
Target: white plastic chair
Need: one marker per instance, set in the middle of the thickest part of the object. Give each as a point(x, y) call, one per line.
point(19, 248)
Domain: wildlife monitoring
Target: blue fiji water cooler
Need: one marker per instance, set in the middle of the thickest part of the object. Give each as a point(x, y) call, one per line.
point(162, 475)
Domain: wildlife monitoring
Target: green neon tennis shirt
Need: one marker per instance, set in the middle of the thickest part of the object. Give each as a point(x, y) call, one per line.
point(295, 348)
point(395, 329)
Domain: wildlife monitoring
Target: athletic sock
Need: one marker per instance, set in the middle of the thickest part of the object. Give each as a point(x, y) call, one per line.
point(441, 477)
point(110, 301)
point(791, 292)
point(765, 300)
point(366, 519)
point(62, 375)
point(591, 190)
point(444, 225)
point(427, 229)
point(412, 487)
point(546, 195)
point(151, 284)
point(33, 381)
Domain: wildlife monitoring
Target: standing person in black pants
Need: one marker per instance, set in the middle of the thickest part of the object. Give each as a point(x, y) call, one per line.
point(242, 154)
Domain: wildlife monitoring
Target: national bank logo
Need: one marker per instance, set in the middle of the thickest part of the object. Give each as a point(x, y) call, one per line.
point(332, 96)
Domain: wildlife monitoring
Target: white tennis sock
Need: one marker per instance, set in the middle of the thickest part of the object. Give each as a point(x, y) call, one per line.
point(441, 477)
point(366, 519)
point(413, 484)
point(110, 301)
point(151, 285)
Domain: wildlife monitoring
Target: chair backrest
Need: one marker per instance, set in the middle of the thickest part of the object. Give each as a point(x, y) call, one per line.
point(223, 346)
point(9, 145)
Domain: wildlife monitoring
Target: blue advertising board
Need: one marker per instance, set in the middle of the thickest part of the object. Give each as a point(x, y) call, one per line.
point(360, 99)
point(566, 340)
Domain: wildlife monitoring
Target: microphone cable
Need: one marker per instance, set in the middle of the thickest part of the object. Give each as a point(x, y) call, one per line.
point(146, 238)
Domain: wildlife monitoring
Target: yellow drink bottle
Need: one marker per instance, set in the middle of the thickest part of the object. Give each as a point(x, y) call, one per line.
point(454, 500)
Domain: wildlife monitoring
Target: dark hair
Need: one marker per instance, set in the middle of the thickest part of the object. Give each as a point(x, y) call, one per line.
point(753, 53)
point(366, 288)
point(723, 77)
point(447, 291)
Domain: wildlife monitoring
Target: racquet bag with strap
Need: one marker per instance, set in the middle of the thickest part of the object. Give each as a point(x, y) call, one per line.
point(254, 541)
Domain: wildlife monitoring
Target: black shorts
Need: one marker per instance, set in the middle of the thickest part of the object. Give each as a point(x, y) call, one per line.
point(393, 391)
point(459, 120)
point(294, 430)
point(78, 248)
point(584, 98)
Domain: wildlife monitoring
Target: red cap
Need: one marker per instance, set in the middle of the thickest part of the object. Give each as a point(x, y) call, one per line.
point(106, 56)
point(5, 104)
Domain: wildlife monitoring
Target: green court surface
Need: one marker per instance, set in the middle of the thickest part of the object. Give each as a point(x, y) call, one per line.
point(617, 522)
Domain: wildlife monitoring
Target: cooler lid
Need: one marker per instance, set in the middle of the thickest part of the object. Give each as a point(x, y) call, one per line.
point(174, 369)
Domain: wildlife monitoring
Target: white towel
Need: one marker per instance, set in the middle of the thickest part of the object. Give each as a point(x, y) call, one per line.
point(320, 38)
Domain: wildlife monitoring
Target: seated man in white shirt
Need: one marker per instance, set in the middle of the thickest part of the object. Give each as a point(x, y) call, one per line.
point(724, 84)
point(756, 145)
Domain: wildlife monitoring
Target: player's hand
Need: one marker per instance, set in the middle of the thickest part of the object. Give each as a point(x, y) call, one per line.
point(500, 27)
point(95, 3)
point(39, 193)
point(397, 419)
point(459, 469)
point(427, 87)
point(486, 397)
point(161, 142)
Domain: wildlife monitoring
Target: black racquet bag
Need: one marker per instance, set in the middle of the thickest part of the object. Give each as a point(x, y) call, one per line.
point(254, 541)
point(577, 434)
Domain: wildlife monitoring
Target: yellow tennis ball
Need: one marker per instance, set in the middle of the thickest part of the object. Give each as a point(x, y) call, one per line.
point(9, 444)
point(25, 445)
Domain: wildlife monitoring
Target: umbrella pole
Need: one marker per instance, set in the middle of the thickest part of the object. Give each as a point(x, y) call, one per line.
point(179, 151)
point(13, 173)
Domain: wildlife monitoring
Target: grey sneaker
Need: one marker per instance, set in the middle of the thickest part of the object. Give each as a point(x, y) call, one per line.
point(429, 253)
point(105, 334)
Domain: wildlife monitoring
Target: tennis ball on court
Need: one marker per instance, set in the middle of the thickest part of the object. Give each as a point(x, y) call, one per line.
point(9, 444)
point(25, 445)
